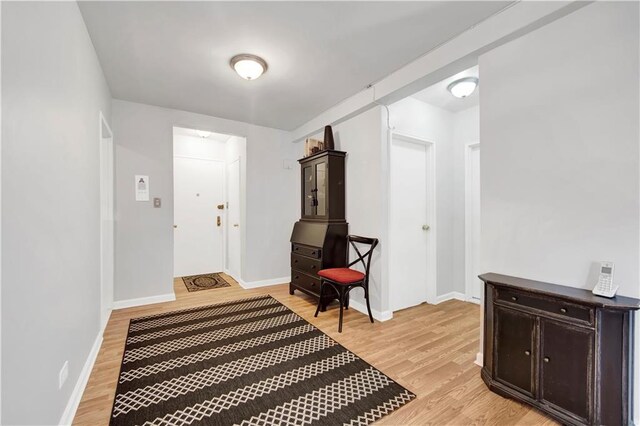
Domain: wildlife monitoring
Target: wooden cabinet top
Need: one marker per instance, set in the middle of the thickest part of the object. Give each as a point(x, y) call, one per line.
point(323, 154)
point(578, 295)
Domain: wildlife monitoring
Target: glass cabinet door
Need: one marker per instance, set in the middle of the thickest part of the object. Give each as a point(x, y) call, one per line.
point(308, 208)
point(321, 189)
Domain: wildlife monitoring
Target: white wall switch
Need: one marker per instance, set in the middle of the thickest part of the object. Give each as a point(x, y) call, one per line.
point(64, 373)
point(157, 203)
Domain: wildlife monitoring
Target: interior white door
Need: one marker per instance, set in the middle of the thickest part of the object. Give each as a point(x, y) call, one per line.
point(474, 285)
point(198, 188)
point(233, 217)
point(107, 252)
point(410, 229)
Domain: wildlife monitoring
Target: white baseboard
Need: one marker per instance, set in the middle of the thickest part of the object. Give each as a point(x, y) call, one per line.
point(263, 283)
point(129, 303)
point(479, 359)
point(362, 307)
point(450, 296)
point(78, 390)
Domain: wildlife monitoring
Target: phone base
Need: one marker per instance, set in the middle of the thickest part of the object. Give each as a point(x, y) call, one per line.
point(603, 293)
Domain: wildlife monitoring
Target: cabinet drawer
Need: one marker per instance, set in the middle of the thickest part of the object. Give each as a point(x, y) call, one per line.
point(553, 306)
point(308, 282)
point(305, 264)
point(308, 251)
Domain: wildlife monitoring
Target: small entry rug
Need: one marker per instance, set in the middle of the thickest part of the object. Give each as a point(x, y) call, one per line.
point(246, 362)
point(204, 282)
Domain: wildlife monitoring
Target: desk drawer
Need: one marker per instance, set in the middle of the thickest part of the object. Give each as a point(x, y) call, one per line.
point(305, 264)
point(308, 282)
point(552, 306)
point(308, 251)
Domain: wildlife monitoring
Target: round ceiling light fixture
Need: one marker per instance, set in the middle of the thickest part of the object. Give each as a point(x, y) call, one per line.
point(463, 87)
point(248, 66)
point(203, 133)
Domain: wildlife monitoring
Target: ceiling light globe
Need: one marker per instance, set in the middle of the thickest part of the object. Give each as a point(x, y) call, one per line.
point(463, 87)
point(203, 133)
point(248, 67)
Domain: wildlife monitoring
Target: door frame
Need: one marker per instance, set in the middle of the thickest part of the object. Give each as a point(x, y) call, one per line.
point(468, 148)
point(106, 137)
point(432, 252)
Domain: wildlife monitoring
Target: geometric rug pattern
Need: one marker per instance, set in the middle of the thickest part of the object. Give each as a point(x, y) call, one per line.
point(245, 362)
point(204, 282)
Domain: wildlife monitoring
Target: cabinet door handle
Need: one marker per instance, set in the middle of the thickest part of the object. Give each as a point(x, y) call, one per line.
point(514, 298)
point(563, 310)
point(296, 277)
point(295, 261)
point(527, 352)
point(546, 359)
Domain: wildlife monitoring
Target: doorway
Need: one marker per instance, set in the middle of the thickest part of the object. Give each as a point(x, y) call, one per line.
point(107, 245)
point(207, 204)
point(472, 223)
point(412, 239)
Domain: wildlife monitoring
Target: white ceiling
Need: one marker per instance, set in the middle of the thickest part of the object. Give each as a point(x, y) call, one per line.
point(176, 54)
point(438, 95)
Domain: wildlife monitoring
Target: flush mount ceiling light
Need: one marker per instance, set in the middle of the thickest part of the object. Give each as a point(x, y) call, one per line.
point(203, 133)
point(248, 66)
point(463, 87)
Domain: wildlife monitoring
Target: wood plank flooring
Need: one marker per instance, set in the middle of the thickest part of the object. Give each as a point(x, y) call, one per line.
point(429, 349)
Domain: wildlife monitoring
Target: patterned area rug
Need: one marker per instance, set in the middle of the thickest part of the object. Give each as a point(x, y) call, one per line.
point(204, 282)
point(246, 362)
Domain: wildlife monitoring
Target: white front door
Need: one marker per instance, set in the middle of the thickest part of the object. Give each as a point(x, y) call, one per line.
point(233, 216)
point(198, 188)
point(107, 245)
point(472, 213)
point(411, 265)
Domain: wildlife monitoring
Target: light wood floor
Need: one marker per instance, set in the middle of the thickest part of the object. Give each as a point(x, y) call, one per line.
point(429, 349)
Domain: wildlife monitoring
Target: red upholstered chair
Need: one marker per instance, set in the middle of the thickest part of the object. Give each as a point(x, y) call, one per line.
point(343, 280)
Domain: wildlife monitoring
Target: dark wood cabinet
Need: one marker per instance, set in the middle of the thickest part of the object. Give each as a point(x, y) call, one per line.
point(319, 238)
point(560, 349)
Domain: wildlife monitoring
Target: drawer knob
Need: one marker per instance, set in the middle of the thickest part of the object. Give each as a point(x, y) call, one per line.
point(527, 352)
point(295, 261)
point(313, 266)
point(514, 298)
point(297, 248)
point(313, 252)
point(563, 310)
point(296, 277)
point(546, 359)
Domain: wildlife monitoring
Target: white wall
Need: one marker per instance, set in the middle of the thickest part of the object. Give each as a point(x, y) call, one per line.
point(416, 118)
point(53, 90)
point(197, 147)
point(560, 152)
point(361, 138)
point(144, 235)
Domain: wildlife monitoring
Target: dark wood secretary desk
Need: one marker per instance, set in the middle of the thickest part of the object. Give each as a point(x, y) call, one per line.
point(319, 238)
point(562, 350)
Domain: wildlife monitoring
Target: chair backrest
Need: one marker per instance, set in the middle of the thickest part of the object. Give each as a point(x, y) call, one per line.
point(365, 258)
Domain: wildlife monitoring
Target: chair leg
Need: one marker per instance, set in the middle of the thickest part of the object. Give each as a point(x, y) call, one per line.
point(346, 302)
point(319, 299)
point(366, 296)
point(341, 306)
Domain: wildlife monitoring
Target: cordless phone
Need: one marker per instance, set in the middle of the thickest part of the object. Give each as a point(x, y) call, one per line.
point(605, 285)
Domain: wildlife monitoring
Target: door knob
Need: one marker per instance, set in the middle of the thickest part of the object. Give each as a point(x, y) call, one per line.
point(175, 226)
point(235, 225)
point(425, 227)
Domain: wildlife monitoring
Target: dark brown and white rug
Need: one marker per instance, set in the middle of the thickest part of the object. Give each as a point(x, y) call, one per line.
point(204, 282)
point(246, 362)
